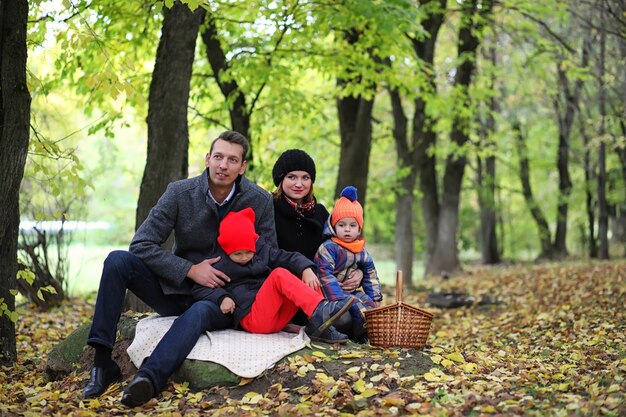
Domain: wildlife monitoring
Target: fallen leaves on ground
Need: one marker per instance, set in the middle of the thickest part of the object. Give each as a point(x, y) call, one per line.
point(555, 346)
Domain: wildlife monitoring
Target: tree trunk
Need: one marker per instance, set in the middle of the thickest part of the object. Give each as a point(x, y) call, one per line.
point(424, 135)
point(238, 111)
point(487, 184)
point(589, 202)
point(413, 158)
point(403, 191)
point(619, 231)
point(355, 130)
point(535, 210)
point(603, 216)
point(490, 254)
point(445, 259)
point(14, 136)
point(168, 136)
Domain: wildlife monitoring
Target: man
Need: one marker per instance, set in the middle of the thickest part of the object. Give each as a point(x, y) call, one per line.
point(192, 209)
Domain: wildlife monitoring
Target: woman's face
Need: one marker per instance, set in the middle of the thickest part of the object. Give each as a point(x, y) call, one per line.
point(296, 185)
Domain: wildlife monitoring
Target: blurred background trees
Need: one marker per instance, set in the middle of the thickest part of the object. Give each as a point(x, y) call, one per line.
point(474, 130)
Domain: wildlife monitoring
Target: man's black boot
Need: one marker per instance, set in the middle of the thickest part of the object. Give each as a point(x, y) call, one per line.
point(100, 380)
point(138, 392)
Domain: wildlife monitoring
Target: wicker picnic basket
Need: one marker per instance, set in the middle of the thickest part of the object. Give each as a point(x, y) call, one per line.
point(398, 325)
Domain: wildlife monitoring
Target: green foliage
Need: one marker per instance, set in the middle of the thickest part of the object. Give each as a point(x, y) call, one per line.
point(90, 67)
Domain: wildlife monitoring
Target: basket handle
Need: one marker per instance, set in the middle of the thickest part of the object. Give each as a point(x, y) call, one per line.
point(399, 286)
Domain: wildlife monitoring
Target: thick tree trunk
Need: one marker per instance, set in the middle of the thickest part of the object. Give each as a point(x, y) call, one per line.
point(424, 135)
point(445, 259)
point(238, 111)
point(565, 119)
point(355, 128)
point(413, 157)
point(14, 136)
point(535, 210)
point(355, 131)
point(168, 136)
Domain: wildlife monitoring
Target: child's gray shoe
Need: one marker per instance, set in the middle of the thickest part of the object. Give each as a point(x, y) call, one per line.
point(325, 314)
point(330, 335)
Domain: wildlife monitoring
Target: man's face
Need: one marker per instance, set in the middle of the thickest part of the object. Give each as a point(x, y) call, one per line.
point(225, 163)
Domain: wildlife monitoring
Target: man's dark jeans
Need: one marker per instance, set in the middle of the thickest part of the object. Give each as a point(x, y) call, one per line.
point(123, 270)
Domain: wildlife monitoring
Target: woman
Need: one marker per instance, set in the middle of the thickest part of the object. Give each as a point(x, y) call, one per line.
point(299, 217)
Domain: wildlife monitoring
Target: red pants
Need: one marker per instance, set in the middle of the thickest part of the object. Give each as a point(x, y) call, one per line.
point(278, 300)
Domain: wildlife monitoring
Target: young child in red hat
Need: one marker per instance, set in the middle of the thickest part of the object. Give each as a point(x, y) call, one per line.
point(342, 252)
point(264, 292)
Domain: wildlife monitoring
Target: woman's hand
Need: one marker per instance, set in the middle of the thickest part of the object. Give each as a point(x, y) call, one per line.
point(227, 305)
point(310, 279)
point(353, 281)
point(204, 274)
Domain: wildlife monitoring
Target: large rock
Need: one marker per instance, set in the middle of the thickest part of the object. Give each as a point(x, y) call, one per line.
point(72, 354)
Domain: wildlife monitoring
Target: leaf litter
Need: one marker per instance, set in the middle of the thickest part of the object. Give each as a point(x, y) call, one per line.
point(554, 346)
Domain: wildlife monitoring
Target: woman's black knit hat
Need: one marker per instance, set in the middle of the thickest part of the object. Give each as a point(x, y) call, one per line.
point(293, 160)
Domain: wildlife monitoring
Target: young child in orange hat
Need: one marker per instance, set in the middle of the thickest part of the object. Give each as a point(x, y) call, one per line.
point(342, 252)
point(264, 292)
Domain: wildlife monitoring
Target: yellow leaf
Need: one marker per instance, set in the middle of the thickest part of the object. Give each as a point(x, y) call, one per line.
point(353, 370)
point(319, 354)
point(446, 362)
point(352, 355)
point(368, 392)
point(245, 381)
point(469, 367)
point(563, 387)
point(430, 377)
point(613, 388)
point(251, 398)
point(377, 378)
point(359, 386)
point(456, 357)
point(436, 350)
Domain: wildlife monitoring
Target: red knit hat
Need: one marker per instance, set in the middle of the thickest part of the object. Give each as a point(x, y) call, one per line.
point(237, 231)
point(347, 206)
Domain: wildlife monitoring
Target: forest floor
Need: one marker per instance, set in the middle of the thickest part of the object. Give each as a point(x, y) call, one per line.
point(555, 345)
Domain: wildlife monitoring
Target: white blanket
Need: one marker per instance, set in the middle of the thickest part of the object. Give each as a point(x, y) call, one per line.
point(245, 354)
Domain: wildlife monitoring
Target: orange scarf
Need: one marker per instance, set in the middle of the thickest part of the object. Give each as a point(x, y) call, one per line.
point(354, 247)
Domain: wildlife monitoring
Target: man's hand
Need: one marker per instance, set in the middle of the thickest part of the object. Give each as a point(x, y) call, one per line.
point(310, 279)
point(204, 274)
point(227, 305)
point(353, 281)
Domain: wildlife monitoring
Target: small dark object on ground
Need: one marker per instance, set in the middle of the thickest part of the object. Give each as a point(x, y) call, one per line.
point(458, 299)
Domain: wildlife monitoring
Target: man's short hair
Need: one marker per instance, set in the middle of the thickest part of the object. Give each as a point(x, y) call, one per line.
point(232, 137)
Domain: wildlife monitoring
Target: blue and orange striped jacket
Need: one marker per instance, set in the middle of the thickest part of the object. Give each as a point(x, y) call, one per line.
point(335, 265)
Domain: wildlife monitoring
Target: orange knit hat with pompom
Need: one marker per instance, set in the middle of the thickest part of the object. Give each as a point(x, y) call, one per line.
point(347, 206)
